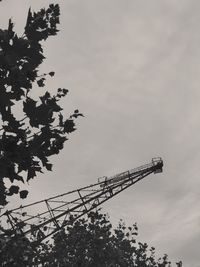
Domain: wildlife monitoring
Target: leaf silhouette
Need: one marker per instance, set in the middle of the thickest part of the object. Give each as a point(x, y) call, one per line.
point(23, 194)
point(52, 73)
point(14, 189)
point(27, 142)
point(69, 126)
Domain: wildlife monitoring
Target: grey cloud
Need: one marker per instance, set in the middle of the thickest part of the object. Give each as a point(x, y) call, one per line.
point(133, 69)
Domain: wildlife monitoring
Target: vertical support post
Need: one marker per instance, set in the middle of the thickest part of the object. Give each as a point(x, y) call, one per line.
point(52, 214)
point(82, 200)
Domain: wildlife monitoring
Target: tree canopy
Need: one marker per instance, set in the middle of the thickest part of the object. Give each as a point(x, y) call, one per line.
point(86, 242)
point(31, 129)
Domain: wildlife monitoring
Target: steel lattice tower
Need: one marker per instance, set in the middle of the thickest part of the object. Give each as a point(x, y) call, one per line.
point(55, 212)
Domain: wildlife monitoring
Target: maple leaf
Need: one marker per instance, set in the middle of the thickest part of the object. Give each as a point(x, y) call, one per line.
point(29, 107)
point(31, 173)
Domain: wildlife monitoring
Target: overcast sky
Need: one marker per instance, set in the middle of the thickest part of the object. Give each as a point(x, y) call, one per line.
point(132, 67)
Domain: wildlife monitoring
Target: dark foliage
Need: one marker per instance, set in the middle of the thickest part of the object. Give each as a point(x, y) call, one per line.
point(27, 142)
point(95, 242)
point(17, 252)
point(91, 242)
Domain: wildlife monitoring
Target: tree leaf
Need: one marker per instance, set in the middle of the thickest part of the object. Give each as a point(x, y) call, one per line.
point(31, 173)
point(51, 73)
point(48, 166)
point(23, 193)
point(14, 189)
point(69, 126)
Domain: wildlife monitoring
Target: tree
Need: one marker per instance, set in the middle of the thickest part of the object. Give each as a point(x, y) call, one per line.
point(28, 137)
point(86, 242)
point(17, 252)
point(93, 241)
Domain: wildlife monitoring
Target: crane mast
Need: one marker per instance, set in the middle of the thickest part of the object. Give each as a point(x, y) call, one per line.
point(55, 212)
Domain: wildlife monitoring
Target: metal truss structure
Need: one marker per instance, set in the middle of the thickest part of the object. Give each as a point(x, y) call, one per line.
point(41, 219)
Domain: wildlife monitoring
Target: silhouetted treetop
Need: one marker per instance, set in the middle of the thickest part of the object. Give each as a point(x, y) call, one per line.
point(86, 242)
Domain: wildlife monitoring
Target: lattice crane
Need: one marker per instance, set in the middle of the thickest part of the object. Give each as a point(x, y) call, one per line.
point(55, 212)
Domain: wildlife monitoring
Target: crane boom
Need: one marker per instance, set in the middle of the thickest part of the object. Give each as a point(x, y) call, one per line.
point(56, 211)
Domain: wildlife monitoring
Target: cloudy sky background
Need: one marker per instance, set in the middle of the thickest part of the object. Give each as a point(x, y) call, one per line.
point(132, 67)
